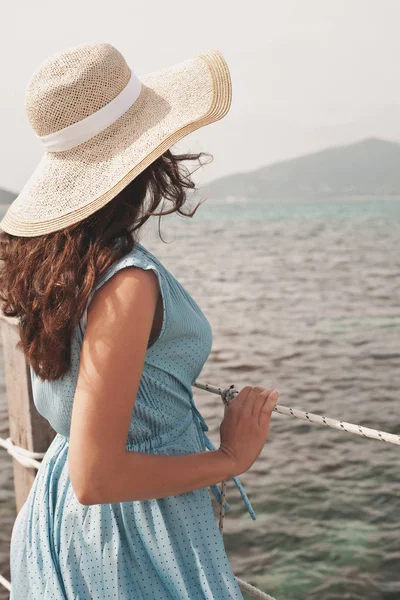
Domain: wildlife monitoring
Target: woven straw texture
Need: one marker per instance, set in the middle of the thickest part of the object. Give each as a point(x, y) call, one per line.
point(68, 186)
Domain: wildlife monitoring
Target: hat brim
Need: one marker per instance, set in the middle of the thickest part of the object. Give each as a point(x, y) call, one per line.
point(68, 186)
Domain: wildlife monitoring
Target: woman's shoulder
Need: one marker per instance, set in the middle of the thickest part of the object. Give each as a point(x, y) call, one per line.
point(140, 257)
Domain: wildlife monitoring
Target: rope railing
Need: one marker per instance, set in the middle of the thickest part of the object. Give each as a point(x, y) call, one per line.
point(24, 457)
point(31, 459)
point(375, 434)
point(5, 583)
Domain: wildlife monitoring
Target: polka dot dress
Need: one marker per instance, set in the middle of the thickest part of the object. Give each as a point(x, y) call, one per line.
point(160, 549)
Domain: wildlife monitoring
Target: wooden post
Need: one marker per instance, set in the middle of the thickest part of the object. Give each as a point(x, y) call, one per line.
point(28, 429)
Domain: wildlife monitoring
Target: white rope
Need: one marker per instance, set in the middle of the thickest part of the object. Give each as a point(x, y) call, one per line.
point(5, 583)
point(253, 591)
point(23, 456)
point(375, 434)
point(390, 438)
point(222, 501)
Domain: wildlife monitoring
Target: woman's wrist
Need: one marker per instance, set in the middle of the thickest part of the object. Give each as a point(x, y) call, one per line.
point(230, 464)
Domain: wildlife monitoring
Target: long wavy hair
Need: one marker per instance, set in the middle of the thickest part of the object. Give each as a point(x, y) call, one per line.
point(45, 281)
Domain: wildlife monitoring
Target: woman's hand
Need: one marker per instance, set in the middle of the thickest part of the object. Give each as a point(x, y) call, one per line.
point(245, 427)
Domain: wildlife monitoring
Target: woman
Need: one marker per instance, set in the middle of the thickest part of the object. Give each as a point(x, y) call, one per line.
point(119, 507)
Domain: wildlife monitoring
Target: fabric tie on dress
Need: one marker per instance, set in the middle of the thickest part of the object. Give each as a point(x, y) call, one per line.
point(203, 427)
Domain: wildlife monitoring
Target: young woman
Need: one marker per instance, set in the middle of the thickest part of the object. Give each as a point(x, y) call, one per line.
point(120, 506)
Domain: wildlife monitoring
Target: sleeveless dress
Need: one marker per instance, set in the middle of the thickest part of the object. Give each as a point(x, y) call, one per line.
point(160, 549)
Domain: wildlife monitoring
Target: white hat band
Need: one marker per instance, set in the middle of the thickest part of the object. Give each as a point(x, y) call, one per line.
point(83, 130)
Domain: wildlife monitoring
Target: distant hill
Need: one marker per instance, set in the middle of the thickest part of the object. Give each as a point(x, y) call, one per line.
point(6, 197)
point(367, 168)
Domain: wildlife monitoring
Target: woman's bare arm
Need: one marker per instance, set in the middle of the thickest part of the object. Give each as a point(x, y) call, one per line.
point(101, 470)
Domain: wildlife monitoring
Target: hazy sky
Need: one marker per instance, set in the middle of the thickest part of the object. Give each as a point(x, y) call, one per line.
point(306, 74)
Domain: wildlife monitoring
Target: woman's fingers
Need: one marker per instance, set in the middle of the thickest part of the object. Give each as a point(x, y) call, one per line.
point(239, 400)
point(251, 398)
point(267, 408)
point(259, 401)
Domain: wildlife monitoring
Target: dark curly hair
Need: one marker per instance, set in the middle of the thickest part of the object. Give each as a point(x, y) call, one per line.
point(45, 281)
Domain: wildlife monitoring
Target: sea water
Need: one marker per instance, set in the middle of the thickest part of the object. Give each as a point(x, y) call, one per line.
point(303, 296)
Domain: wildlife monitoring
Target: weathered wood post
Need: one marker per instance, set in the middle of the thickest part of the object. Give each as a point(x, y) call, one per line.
point(28, 429)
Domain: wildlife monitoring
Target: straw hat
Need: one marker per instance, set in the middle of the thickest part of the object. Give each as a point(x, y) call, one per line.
point(101, 125)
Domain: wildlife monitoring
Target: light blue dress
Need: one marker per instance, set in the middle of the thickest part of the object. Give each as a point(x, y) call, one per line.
point(160, 549)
